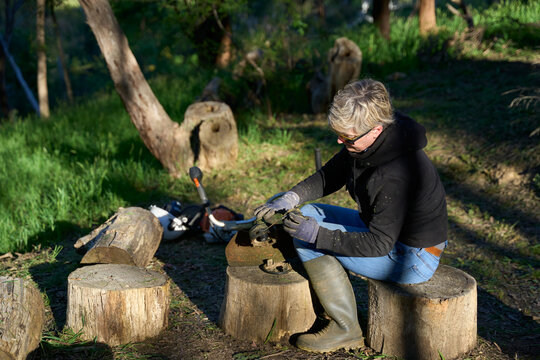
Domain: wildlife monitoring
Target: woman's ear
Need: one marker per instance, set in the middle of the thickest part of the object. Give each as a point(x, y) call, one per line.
point(377, 130)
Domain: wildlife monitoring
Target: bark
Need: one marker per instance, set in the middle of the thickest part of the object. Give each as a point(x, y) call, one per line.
point(43, 91)
point(117, 304)
point(215, 129)
point(264, 307)
point(381, 17)
point(165, 139)
point(426, 16)
point(22, 317)
point(131, 237)
point(224, 55)
point(428, 319)
point(61, 55)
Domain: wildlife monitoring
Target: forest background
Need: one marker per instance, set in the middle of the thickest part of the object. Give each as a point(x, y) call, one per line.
point(475, 89)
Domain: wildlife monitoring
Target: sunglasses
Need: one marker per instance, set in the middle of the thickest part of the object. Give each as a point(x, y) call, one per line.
point(351, 140)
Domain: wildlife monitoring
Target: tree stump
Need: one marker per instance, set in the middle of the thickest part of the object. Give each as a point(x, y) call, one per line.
point(217, 136)
point(131, 237)
point(419, 321)
point(117, 304)
point(22, 316)
point(264, 307)
point(345, 60)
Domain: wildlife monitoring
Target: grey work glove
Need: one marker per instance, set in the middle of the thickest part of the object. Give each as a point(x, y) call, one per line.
point(285, 202)
point(301, 227)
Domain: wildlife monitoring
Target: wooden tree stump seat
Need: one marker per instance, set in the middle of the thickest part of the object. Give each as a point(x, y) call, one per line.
point(117, 304)
point(424, 320)
point(22, 316)
point(265, 307)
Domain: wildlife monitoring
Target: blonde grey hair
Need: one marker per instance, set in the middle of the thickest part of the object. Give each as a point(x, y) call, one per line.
point(360, 106)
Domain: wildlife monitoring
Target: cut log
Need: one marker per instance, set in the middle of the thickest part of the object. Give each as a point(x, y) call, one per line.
point(217, 140)
point(117, 304)
point(131, 237)
point(22, 316)
point(345, 63)
point(264, 307)
point(424, 320)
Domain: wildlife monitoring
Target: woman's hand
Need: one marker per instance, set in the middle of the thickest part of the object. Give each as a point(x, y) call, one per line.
point(283, 203)
point(301, 227)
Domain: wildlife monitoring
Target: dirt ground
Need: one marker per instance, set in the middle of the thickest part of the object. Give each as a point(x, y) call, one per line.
point(197, 270)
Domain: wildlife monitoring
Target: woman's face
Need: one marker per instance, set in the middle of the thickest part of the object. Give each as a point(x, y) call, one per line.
point(359, 143)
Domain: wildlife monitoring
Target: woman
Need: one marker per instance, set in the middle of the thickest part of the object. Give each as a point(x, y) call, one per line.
point(399, 230)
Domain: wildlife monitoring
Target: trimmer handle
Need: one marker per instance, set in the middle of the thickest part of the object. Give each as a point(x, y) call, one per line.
point(196, 176)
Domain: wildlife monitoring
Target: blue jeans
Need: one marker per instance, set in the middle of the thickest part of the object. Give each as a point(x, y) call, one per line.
point(404, 264)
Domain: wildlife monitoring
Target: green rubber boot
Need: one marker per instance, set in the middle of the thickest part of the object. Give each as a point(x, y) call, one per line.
point(335, 293)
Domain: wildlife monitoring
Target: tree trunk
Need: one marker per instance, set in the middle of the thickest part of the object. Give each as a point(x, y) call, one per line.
point(264, 307)
point(65, 72)
point(22, 316)
point(381, 17)
point(225, 49)
point(437, 316)
point(117, 304)
point(426, 16)
point(166, 140)
point(131, 237)
point(43, 91)
point(322, 12)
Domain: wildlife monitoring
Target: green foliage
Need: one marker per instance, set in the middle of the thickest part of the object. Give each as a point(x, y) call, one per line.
point(511, 25)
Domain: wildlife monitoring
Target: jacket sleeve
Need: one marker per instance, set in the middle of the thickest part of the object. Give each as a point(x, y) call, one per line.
point(389, 205)
point(329, 179)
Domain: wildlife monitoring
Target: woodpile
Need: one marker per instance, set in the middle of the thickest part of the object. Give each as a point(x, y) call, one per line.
point(22, 316)
point(117, 304)
point(426, 320)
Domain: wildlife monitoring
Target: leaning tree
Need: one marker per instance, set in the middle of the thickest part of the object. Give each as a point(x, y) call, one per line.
point(211, 124)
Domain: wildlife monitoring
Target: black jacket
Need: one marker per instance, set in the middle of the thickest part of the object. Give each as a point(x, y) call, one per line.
point(397, 189)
